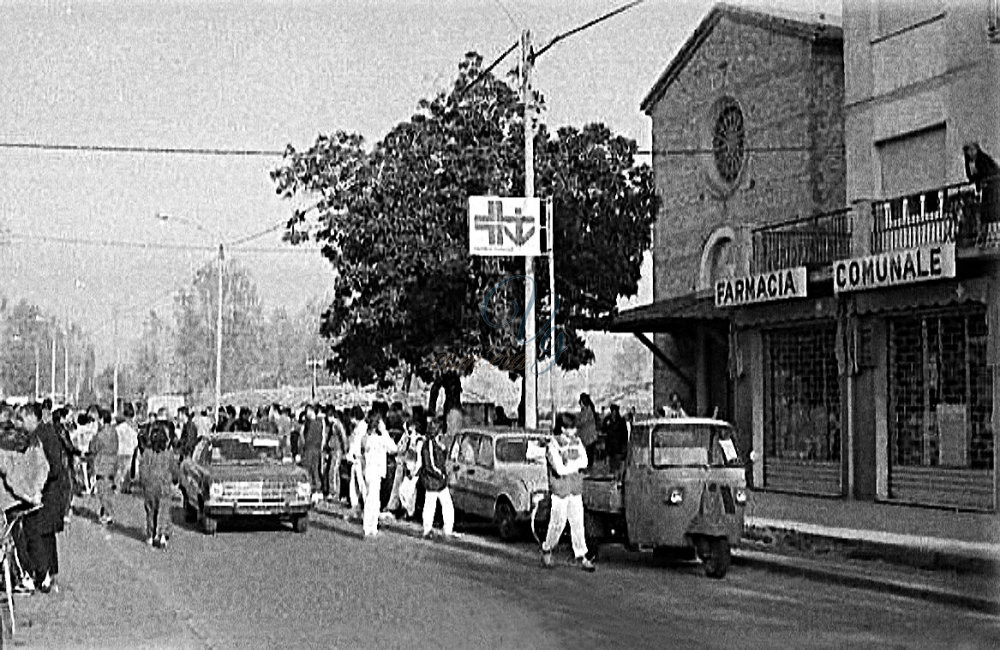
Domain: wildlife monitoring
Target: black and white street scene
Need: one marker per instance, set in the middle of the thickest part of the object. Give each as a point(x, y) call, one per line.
point(499, 324)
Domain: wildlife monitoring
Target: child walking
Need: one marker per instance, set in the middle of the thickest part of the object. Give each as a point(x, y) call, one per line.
point(158, 472)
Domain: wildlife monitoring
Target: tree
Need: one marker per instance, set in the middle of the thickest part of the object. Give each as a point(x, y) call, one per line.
point(195, 315)
point(26, 330)
point(393, 222)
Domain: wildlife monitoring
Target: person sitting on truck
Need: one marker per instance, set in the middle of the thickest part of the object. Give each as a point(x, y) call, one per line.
point(567, 458)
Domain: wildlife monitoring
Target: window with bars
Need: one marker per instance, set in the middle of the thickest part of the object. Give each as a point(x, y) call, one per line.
point(802, 394)
point(940, 391)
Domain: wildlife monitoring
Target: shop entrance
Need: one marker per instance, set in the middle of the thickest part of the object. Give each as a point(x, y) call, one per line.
point(802, 410)
point(940, 405)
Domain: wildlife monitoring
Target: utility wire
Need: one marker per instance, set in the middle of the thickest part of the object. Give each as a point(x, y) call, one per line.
point(586, 25)
point(114, 243)
point(489, 69)
point(503, 8)
point(101, 148)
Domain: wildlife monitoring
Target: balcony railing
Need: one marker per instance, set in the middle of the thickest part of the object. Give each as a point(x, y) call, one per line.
point(962, 214)
point(811, 241)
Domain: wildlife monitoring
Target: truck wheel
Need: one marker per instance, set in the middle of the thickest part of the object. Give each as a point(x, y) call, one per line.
point(506, 521)
point(717, 564)
point(300, 523)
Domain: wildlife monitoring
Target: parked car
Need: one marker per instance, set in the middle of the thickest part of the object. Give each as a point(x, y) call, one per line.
point(499, 474)
point(243, 474)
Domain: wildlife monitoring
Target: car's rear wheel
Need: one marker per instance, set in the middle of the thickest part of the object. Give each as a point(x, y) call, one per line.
point(300, 523)
point(506, 521)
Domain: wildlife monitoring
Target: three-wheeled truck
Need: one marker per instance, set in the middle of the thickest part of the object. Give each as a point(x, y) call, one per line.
point(682, 487)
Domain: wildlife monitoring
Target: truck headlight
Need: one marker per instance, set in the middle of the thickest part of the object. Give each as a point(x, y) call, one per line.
point(676, 496)
point(216, 490)
point(741, 496)
point(537, 497)
point(303, 490)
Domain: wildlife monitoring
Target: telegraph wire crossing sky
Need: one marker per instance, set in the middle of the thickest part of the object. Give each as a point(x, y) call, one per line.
point(115, 112)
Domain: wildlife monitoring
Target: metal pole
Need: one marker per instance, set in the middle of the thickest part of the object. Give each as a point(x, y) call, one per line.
point(530, 365)
point(552, 309)
point(114, 404)
point(52, 382)
point(66, 365)
point(37, 372)
point(218, 337)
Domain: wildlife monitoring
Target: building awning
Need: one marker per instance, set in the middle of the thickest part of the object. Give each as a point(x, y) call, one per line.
point(669, 314)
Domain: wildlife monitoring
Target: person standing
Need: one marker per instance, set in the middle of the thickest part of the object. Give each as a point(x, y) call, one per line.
point(377, 447)
point(189, 432)
point(40, 527)
point(312, 450)
point(617, 437)
point(336, 447)
point(355, 454)
point(434, 474)
point(566, 457)
point(587, 425)
point(104, 452)
point(128, 443)
point(158, 472)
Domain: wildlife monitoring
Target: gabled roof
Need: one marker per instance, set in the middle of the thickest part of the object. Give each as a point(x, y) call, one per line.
point(813, 28)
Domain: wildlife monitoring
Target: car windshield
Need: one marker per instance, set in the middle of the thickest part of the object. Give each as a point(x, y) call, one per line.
point(245, 450)
point(693, 445)
point(521, 449)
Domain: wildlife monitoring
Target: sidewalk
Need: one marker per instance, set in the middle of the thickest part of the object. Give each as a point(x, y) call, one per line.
point(913, 536)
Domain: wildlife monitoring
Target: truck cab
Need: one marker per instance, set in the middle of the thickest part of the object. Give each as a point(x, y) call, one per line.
point(682, 485)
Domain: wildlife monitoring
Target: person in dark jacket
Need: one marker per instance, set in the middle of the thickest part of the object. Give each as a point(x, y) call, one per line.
point(312, 449)
point(434, 474)
point(982, 170)
point(40, 527)
point(158, 473)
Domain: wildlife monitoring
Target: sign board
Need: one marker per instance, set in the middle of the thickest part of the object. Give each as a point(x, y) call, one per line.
point(505, 226)
point(905, 266)
point(774, 285)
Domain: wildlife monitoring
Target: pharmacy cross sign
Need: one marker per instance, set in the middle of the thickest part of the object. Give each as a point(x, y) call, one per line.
point(504, 226)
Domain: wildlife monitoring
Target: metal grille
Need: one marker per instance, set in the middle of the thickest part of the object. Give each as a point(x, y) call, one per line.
point(258, 491)
point(940, 404)
point(802, 410)
point(813, 241)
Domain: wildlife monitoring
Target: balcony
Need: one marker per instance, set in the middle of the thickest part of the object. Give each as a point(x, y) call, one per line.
point(813, 241)
point(954, 214)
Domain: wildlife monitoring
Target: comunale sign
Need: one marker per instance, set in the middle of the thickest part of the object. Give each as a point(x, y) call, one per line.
point(905, 266)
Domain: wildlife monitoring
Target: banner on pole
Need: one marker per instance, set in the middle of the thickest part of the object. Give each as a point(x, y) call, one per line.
point(505, 226)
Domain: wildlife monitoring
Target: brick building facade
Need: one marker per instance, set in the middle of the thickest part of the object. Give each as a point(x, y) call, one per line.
point(830, 289)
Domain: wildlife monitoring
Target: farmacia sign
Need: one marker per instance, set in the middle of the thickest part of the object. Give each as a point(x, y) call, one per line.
point(775, 285)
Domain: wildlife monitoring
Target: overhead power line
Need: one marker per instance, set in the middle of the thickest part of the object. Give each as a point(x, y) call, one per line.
point(116, 243)
point(587, 25)
point(103, 148)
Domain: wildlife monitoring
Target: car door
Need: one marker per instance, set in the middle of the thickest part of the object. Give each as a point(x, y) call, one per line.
point(482, 483)
point(461, 458)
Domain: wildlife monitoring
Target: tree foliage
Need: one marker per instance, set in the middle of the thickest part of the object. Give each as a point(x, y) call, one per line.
point(393, 223)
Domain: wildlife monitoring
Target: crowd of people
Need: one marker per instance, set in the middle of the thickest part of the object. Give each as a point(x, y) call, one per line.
point(381, 461)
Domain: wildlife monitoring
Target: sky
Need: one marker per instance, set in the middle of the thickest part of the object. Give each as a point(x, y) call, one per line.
point(252, 75)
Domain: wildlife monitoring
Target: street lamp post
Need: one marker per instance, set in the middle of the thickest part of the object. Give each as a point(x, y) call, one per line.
point(218, 324)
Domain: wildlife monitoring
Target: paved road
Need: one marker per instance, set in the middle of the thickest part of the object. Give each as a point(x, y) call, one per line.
point(265, 586)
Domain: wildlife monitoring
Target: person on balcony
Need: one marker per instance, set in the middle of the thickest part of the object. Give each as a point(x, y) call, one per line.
point(985, 173)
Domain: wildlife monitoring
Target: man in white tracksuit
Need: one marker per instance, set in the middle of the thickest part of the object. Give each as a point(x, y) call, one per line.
point(377, 446)
point(566, 458)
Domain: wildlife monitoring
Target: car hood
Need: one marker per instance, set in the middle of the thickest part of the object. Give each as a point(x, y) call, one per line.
point(257, 473)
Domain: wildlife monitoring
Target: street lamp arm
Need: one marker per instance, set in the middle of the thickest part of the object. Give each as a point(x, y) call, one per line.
point(586, 25)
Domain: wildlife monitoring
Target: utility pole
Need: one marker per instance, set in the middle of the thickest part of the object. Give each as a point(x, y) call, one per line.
point(218, 336)
point(314, 364)
point(37, 372)
point(530, 355)
point(549, 214)
point(66, 363)
point(52, 382)
point(114, 404)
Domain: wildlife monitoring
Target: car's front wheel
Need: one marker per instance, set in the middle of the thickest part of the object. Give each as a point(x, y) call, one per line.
point(209, 524)
point(300, 523)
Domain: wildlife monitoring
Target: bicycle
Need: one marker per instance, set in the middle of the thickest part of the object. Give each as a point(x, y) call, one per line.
point(9, 520)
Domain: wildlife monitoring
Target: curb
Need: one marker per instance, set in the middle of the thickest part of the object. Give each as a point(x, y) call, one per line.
point(942, 555)
point(811, 569)
point(856, 577)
